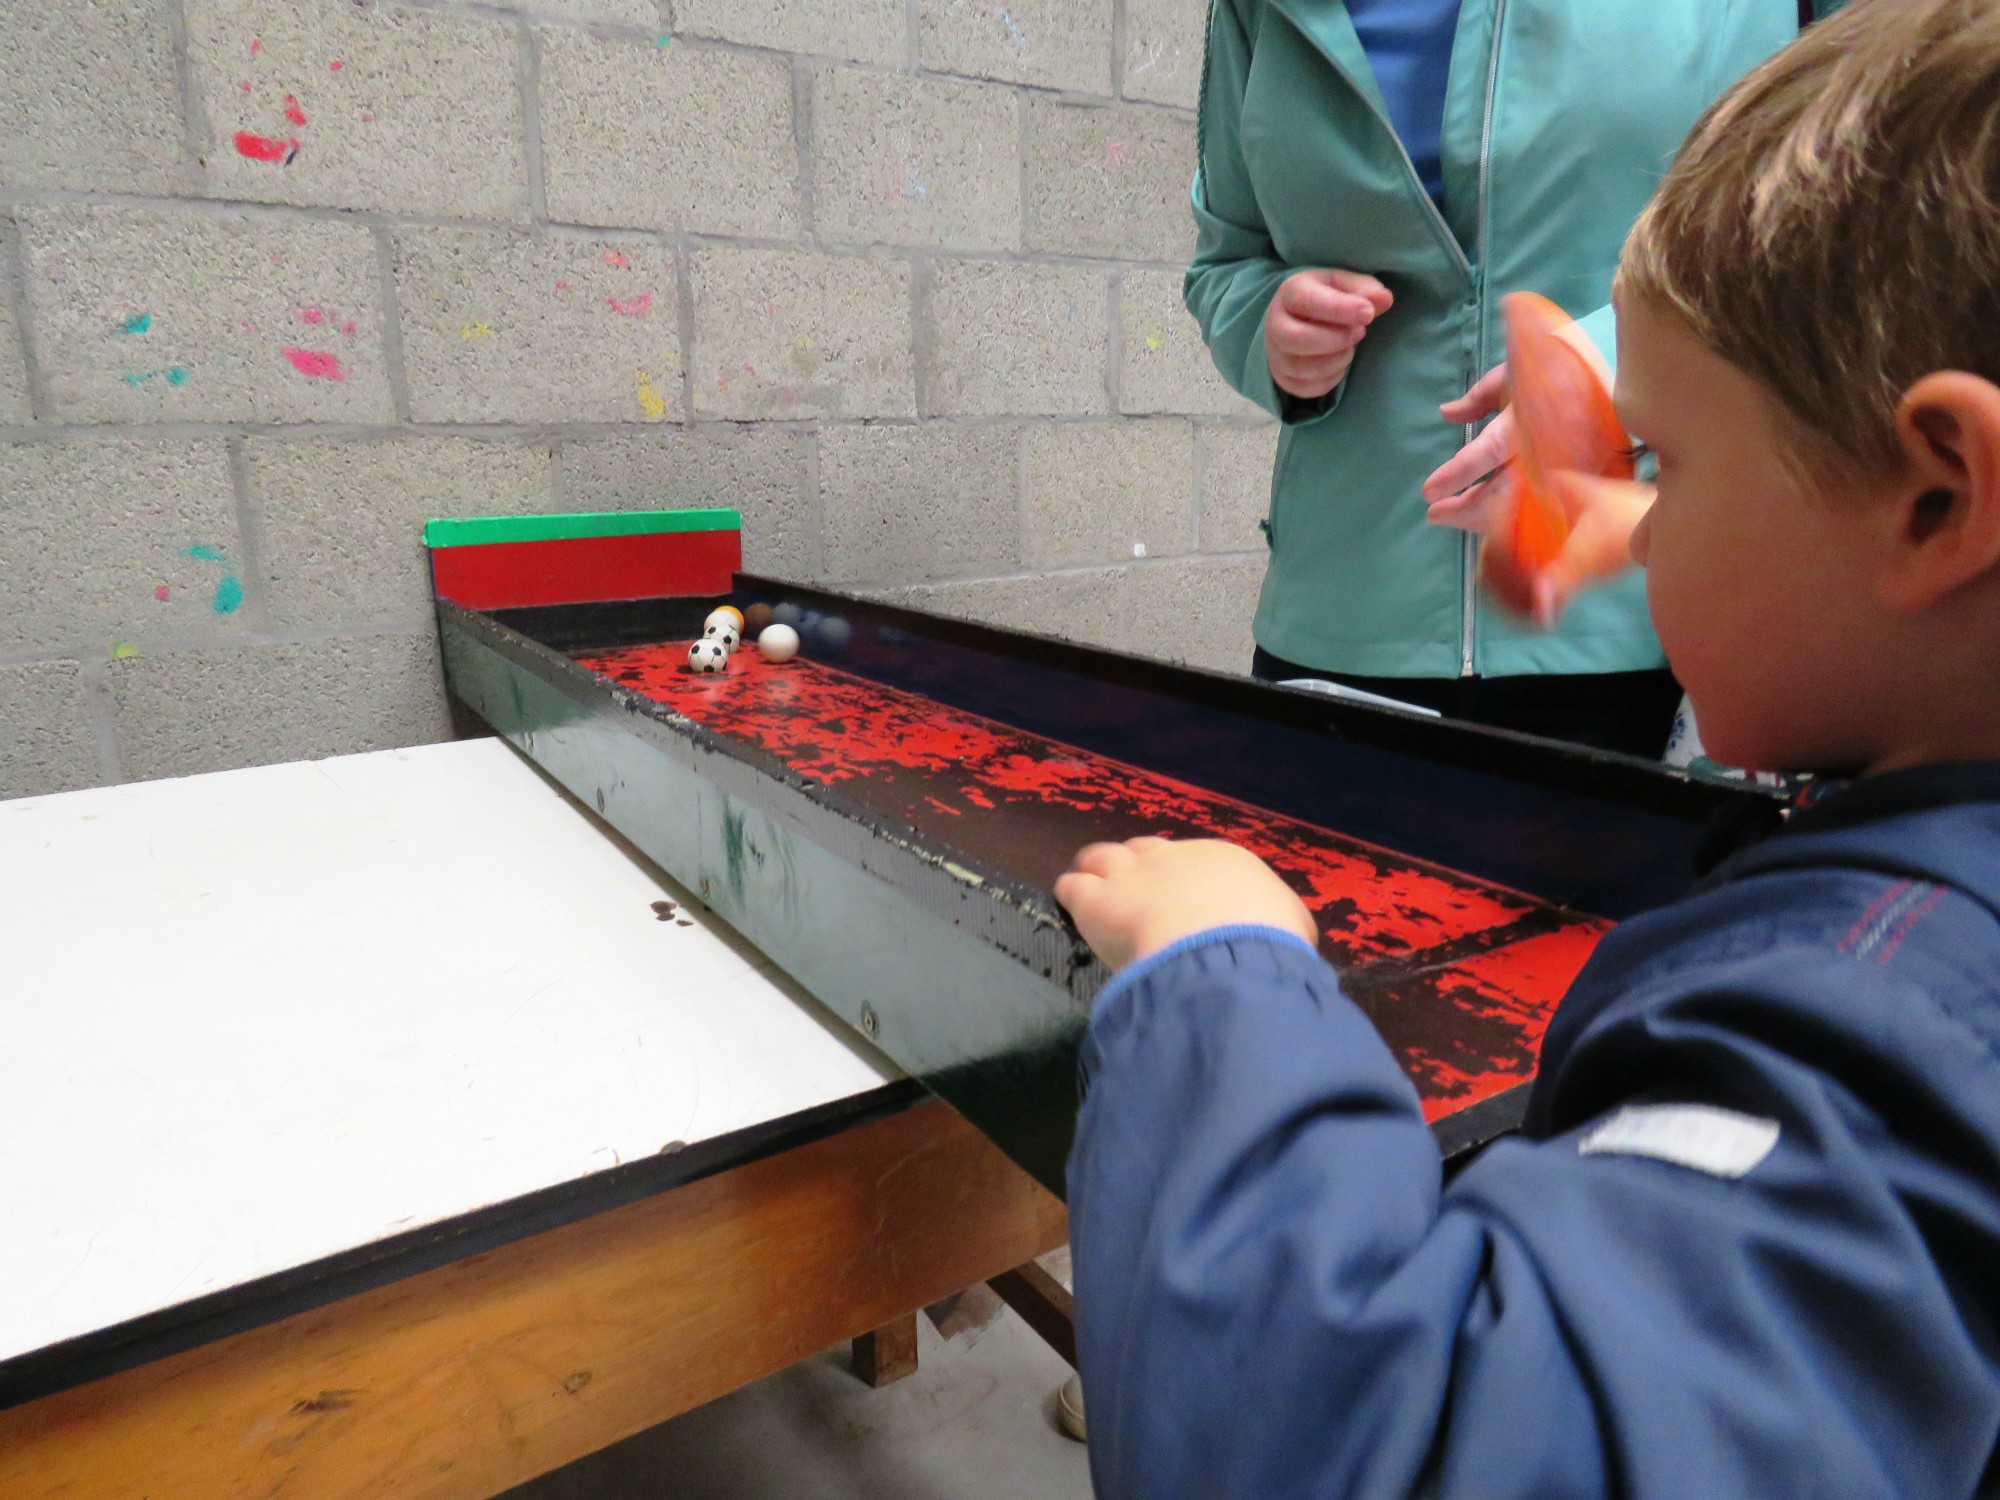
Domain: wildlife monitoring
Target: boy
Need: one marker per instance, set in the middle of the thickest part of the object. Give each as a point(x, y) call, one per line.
point(1748, 1242)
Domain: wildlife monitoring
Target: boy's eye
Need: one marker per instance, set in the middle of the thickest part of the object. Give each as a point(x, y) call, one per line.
point(1637, 454)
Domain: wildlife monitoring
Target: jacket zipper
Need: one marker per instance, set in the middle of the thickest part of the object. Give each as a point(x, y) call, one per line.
point(1468, 546)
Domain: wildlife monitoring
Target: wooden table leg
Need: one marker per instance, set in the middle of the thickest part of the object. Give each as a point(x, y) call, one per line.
point(1044, 1304)
point(888, 1353)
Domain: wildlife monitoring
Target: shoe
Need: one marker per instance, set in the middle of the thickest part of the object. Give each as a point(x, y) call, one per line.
point(1069, 1409)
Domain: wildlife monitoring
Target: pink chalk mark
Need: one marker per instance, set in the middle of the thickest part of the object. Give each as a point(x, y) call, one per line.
point(1114, 153)
point(312, 315)
point(616, 258)
point(163, 593)
point(246, 87)
point(750, 367)
point(335, 66)
point(636, 308)
point(367, 117)
point(264, 147)
point(316, 366)
point(347, 329)
point(562, 286)
point(256, 45)
point(292, 111)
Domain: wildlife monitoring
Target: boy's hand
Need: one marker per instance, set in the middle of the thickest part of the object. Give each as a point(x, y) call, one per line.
point(1131, 900)
point(1315, 320)
point(1603, 514)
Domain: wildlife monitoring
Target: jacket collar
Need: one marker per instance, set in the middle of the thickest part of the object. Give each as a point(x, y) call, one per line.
point(1330, 29)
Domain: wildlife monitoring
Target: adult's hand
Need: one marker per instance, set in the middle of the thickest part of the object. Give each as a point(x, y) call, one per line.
point(1315, 321)
point(1471, 489)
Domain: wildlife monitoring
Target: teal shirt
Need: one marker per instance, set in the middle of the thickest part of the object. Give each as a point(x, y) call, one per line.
point(1559, 118)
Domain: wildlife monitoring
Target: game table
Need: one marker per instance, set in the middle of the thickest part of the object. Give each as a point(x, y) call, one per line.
point(387, 1125)
point(887, 813)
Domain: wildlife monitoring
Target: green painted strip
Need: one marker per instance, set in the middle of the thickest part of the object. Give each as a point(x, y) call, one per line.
point(482, 531)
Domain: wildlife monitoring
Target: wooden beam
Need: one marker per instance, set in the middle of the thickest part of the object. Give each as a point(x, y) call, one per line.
point(467, 1380)
point(1044, 1304)
point(887, 1354)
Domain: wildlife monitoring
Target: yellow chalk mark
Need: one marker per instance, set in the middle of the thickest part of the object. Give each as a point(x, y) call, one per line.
point(804, 344)
point(476, 331)
point(650, 400)
point(1152, 341)
point(123, 650)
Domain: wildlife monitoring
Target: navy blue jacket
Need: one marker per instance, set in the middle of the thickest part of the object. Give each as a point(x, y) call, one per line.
point(1748, 1243)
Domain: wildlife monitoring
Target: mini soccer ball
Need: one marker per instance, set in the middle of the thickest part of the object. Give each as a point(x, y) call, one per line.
point(722, 628)
point(707, 655)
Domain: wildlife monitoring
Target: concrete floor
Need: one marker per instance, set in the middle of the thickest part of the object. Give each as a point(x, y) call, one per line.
point(976, 1422)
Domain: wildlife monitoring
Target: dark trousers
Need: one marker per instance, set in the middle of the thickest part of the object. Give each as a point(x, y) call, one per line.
point(1628, 711)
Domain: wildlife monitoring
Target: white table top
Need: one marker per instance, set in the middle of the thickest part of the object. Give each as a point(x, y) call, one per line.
point(258, 1018)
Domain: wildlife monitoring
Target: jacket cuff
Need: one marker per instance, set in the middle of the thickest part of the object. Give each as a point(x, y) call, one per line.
point(1135, 974)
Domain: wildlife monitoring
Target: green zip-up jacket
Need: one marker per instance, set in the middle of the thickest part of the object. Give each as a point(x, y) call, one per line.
point(1560, 117)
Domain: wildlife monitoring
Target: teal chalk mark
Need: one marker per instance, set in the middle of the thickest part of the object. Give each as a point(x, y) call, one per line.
point(135, 379)
point(138, 323)
point(202, 552)
point(228, 595)
point(665, 39)
point(177, 375)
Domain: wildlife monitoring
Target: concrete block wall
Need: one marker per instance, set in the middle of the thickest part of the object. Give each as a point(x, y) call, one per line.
point(280, 279)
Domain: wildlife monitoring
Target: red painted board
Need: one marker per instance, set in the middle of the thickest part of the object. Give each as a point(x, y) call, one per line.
point(511, 575)
point(1460, 975)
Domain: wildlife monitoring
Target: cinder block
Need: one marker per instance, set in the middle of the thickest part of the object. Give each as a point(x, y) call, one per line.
point(1085, 606)
point(1109, 179)
point(1164, 42)
point(679, 137)
point(512, 327)
point(88, 98)
point(915, 161)
point(789, 334)
point(340, 522)
point(15, 407)
point(110, 541)
point(144, 315)
point(1165, 366)
point(1058, 44)
point(910, 503)
point(762, 472)
point(1109, 491)
point(185, 712)
point(1006, 339)
point(49, 745)
point(644, 13)
point(1233, 465)
point(1197, 611)
point(870, 31)
point(395, 109)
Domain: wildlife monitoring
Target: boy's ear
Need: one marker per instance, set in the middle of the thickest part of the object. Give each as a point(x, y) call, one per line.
point(1947, 507)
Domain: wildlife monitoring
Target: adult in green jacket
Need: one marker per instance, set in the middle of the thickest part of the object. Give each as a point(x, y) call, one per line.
point(1558, 119)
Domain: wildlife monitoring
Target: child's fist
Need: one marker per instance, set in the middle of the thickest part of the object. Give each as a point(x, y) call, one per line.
point(1133, 899)
point(1314, 322)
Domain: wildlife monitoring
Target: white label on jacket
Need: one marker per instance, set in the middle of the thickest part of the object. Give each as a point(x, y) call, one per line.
point(1721, 1142)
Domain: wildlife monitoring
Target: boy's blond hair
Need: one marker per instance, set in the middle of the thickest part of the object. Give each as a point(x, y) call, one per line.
point(1832, 226)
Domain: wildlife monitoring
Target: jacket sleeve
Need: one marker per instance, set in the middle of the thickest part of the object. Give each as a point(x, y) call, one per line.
point(1274, 1298)
point(1235, 271)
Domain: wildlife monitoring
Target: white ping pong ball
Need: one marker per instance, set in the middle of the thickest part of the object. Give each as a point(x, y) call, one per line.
point(778, 643)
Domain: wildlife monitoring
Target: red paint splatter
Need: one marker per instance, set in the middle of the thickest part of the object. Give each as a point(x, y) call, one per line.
point(256, 45)
point(1460, 975)
point(264, 147)
point(616, 258)
point(636, 308)
point(312, 315)
point(315, 365)
point(292, 111)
